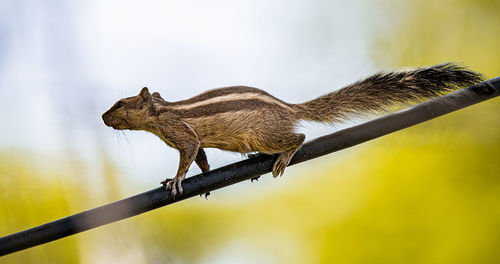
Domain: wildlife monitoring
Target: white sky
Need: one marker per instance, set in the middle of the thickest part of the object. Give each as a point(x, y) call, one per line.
point(63, 63)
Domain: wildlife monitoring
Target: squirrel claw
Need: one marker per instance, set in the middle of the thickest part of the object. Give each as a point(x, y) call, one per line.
point(173, 185)
point(280, 164)
point(206, 195)
point(164, 182)
point(278, 169)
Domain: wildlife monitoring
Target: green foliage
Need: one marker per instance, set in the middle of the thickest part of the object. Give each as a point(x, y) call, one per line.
point(28, 198)
point(425, 32)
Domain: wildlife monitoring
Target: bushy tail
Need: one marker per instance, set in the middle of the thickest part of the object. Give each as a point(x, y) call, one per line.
point(382, 90)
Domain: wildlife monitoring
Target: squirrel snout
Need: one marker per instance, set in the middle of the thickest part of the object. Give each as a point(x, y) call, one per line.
point(106, 119)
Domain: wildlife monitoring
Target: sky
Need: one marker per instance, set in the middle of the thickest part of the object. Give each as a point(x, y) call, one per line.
point(63, 63)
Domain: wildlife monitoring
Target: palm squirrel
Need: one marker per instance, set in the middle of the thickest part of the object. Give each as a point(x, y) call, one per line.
point(245, 119)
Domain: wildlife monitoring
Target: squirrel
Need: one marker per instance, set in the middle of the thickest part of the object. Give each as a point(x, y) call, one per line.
point(245, 119)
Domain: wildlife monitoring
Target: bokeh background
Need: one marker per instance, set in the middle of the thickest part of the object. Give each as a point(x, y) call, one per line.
point(428, 194)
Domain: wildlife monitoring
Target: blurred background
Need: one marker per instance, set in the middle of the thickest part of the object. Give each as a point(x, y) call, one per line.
point(427, 194)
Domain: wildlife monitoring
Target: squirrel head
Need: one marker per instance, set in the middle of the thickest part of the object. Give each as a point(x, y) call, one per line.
point(131, 112)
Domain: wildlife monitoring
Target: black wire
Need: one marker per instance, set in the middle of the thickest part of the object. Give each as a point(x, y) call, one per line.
point(248, 169)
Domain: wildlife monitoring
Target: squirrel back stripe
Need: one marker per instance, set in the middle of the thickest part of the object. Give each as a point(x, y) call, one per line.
point(380, 91)
point(230, 106)
point(219, 92)
point(232, 97)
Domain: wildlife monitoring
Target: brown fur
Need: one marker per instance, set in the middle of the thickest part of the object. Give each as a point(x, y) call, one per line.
point(244, 119)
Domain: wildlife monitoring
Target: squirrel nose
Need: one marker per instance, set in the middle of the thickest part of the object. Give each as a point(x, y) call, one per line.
point(105, 118)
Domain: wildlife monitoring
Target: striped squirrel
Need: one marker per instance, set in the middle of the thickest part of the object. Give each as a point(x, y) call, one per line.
point(245, 119)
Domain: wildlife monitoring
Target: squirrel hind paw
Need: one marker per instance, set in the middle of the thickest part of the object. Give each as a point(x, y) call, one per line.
point(281, 162)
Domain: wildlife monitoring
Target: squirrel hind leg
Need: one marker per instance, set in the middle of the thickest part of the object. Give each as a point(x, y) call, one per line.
point(201, 161)
point(295, 142)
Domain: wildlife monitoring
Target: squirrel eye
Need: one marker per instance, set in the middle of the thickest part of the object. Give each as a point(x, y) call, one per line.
point(119, 104)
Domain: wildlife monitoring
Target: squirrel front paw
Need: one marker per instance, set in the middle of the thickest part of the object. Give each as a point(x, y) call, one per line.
point(174, 185)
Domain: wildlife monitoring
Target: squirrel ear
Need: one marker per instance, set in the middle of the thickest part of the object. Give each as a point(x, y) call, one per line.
point(146, 96)
point(157, 95)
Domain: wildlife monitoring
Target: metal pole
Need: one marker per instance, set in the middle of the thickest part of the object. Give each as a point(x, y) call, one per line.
point(249, 168)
